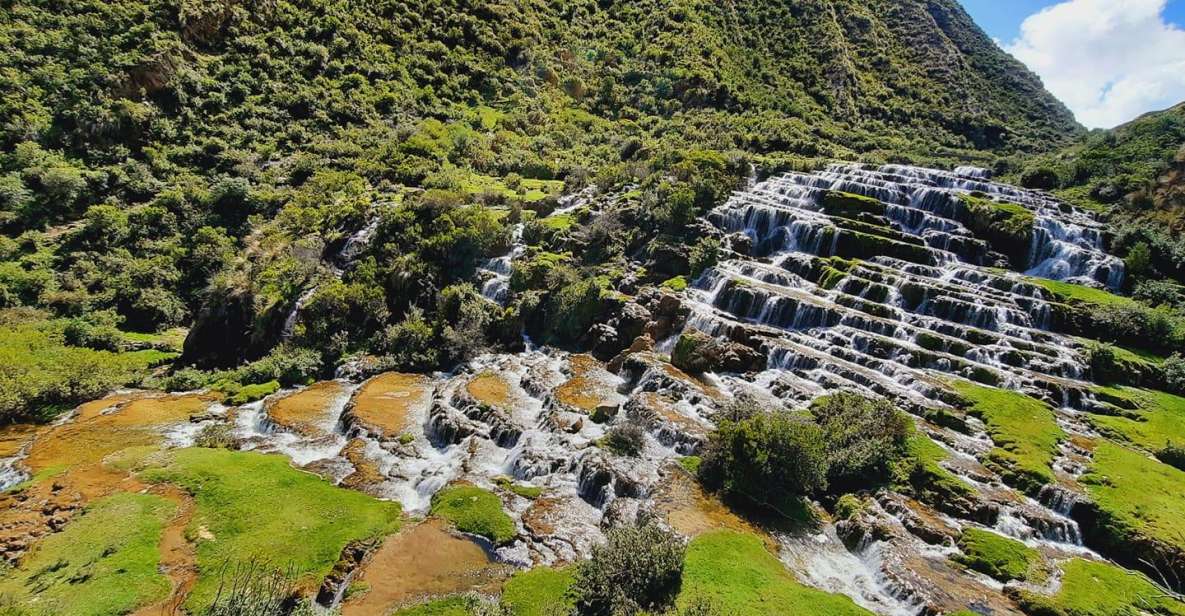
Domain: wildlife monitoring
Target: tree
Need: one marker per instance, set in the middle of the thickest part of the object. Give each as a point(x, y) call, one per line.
point(639, 568)
point(769, 458)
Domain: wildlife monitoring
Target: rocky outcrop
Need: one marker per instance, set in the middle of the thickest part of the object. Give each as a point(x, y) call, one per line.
point(697, 353)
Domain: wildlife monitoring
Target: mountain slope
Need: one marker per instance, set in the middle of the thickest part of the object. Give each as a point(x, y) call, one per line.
point(153, 147)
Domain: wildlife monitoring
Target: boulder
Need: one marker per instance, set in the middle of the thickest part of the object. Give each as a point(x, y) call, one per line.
point(697, 352)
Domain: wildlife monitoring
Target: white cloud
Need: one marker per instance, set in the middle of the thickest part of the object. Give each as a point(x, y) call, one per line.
point(1108, 60)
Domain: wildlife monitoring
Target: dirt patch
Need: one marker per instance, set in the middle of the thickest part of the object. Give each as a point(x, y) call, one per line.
point(490, 388)
point(384, 405)
point(366, 473)
point(307, 411)
point(691, 511)
point(177, 555)
point(14, 438)
point(422, 561)
point(108, 425)
point(588, 387)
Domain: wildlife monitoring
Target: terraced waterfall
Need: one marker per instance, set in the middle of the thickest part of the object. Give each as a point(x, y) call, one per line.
point(897, 281)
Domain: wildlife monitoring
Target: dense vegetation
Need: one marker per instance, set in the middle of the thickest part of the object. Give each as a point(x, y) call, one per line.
point(173, 161)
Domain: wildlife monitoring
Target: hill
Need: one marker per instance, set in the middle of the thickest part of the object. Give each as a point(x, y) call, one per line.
point(149, 144)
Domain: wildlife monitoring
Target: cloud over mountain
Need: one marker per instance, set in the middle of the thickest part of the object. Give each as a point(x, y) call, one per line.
point(1108, 61)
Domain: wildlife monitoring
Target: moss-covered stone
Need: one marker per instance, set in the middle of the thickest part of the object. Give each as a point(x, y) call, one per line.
point(1008, 227)
point(1000, 557)
point(848, 205)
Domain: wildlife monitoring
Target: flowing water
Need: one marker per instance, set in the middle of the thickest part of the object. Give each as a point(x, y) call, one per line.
point(898, 325)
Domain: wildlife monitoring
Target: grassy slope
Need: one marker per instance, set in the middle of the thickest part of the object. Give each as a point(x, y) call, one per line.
point(1161, 419)
point(1091, 588)
point(734, 572)
point(1024, 431)
point(474, 510)
point(537, 591)
point(1138, 492)
point(43, 374)
point(258, 506)
point(1070, 293)
point(998, 556)
point(102, 564)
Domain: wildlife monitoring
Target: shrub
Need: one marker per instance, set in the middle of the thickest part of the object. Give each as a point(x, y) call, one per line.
point(639, 568)
point(287, 365)
point(1174, 373)
point(1042, 178)
point(215, 436)
point(864, 437)
point(769, 458)
point(1173, 454)
point(254, 589)
point(627, 439)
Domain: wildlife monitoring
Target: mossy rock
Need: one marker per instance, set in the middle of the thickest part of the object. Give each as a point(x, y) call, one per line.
point(1008, 227)
point(1002, 558)
point(849, 205)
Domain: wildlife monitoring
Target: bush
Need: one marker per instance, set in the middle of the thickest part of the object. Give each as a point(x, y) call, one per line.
point(1174, 374)
point(639, 568)
point(864, 437)
point(627, 439)
point(1041, 178)
point(1173, 455)
point(769, 458)
point(215, 436)
point(290, 366)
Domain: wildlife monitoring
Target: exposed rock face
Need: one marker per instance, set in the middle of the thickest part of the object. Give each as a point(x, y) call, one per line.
point(697, 352)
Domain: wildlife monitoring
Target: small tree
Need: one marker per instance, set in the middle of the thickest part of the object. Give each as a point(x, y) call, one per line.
point(864, 437)
point(639, 568)
point(768, 458)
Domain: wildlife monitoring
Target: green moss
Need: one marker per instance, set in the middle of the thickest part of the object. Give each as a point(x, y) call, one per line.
point(103, 563)
point(1155, 419)
point(257, 506)
point(922, 469)
point(848, 205)
point(523, 490)
point(734, 572)
point(538, 591)
point(448, 606)
point(1136, 495)
point(691, 464)
point(243, 394)
point(998, 556)
point(1024, 430)
point(860, 245)
point(1070, 293)
point(1090, 588)
point(474, 510)
point(1007, 226)
point(677, 284)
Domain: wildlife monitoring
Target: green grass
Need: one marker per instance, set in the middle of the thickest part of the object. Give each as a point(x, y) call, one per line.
point(237, 395)
point(1024, 430)
point(103, 563)
point(1070, 293)
point(734, 572)
point(532, 190)
point(254, 506)
point(558, 222)
point(536, 592)
point(43, 376)
point(920, 466)
point(521, 489)
point(172, 339)
point(677, 284)
point(691, 464)
point(448, 606)
point(998, 556)
point(1137, 494)
point(474, 510)
point(1161, 419)
point(1090, 588)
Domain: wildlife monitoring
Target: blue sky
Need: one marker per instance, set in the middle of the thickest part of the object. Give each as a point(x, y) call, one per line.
point(1002, 18)
point(1108, 60)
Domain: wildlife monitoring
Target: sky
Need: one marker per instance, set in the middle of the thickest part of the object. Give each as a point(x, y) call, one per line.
point(1108, 60)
